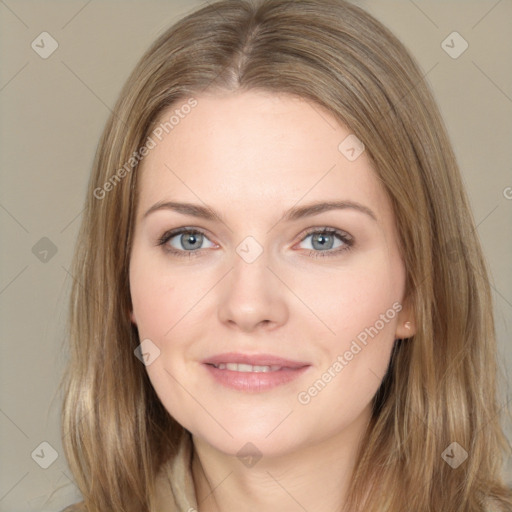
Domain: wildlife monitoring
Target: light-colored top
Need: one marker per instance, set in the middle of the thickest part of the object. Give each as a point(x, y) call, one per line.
point(174, 484)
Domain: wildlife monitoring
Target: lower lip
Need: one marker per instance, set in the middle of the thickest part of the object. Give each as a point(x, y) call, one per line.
point(254, 382)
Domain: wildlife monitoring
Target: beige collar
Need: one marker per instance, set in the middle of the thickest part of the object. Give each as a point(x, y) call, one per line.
point(174, 484)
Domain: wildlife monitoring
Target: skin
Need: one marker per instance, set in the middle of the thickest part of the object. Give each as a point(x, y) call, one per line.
point(251, 156)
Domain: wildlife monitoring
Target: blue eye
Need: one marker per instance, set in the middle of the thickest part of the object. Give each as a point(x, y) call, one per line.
point(189, 241)
point(323, 239)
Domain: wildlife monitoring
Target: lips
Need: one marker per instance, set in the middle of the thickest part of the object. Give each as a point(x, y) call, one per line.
point(253, 373)
point(255, 361)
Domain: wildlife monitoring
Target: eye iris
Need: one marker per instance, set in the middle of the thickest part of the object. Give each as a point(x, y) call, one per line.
point(321, 238)
point(191, 238)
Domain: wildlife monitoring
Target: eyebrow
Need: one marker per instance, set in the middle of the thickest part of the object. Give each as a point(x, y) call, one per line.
point(293, 214)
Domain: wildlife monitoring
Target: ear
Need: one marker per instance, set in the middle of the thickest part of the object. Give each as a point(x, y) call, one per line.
point(405, 321)
point(132, 318)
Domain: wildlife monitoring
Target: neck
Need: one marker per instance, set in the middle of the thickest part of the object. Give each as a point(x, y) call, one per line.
point(316, 476)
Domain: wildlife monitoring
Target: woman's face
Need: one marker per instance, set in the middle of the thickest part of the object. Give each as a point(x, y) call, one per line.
point(259, 326)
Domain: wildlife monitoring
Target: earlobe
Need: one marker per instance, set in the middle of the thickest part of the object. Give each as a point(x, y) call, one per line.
point(132, 318)
point(405, 330)
point(405, 326)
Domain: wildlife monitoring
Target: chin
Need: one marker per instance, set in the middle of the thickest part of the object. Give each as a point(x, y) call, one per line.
point(250, 443)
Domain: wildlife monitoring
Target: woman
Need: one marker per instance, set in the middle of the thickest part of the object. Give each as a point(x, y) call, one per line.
point(280, 302)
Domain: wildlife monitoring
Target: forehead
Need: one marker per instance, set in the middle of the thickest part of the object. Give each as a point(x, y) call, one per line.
point(254, 150)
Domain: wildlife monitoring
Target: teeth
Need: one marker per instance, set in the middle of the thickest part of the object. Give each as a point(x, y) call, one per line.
point(246, 368)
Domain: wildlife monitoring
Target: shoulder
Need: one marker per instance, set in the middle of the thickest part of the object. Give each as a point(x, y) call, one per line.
point(77, 507)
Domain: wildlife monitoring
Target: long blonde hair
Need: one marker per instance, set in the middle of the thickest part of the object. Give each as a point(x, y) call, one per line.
point(441, 384)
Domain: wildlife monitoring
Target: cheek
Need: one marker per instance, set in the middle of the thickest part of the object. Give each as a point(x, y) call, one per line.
point(159, 302)
point(360, 308)
point(153, 297)
point(359, 299)
point(150, 309)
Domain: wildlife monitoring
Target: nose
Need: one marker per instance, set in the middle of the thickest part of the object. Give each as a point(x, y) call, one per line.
point(252, 296)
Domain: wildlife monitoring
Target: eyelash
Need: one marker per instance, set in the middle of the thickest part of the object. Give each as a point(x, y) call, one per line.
point(343, 236)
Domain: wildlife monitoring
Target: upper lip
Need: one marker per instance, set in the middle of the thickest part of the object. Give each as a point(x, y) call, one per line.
point(254, 360)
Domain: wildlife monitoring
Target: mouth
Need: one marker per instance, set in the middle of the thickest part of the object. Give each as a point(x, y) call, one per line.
point(253, 373)
point(247, 368)
point(253, 360)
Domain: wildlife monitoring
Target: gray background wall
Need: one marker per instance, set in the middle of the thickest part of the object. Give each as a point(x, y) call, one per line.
point(52, 112)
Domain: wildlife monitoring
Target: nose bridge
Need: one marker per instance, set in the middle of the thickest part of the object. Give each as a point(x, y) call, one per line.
point(250, 275)
point(252, 294)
